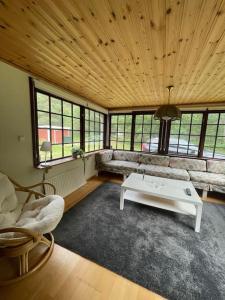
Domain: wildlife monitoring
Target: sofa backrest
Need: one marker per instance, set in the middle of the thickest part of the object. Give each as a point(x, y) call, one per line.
point(103, 156)
point(216, 166)
point(126, 155)
point(189, 164)
point(150, 159)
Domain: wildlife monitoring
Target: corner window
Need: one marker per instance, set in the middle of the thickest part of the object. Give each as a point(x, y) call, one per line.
point(146, 136)
point(94, 130)
point(120, 137)
point(185, 135)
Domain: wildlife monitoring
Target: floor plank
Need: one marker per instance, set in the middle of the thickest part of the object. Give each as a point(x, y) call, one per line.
point(69, 276)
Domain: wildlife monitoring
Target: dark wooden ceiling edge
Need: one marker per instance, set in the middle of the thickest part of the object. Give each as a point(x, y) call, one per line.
point(38, 77)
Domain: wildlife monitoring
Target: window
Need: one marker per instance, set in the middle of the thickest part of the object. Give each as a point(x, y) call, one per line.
point(58, 121)
point(94, 130)
point(120, 137)
point(185, 134)
point(214, 145)
point(66, 125)
point(146, 136)
point(196, 134)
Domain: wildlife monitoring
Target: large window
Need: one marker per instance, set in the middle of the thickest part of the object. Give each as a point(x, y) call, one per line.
point(215, 136)
point(146, 136)
point(185, 134)
point(120, 137)
point(196, 134)
point(65, 125)
point(94, 130)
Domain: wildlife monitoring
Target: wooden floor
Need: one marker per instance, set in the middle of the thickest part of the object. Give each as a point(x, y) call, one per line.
point(69, 276)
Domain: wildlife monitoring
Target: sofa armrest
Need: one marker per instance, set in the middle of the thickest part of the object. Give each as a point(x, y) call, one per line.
point(103, 156)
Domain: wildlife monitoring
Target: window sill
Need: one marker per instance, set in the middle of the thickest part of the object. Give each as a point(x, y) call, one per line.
point(64, 160)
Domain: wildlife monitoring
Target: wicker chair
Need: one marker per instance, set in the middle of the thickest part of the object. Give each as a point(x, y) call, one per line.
point(26, 224)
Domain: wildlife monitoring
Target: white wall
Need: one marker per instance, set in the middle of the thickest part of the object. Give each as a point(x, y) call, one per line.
point(16, 158)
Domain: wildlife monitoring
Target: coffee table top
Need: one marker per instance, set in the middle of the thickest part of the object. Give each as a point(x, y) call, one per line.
point(170, 189)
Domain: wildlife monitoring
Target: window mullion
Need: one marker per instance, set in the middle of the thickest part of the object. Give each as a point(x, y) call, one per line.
point(132, 132)
point(203, 134)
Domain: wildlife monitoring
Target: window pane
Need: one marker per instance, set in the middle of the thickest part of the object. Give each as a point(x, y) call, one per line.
point(42, 102)
point(67, 123)
point(67, 136)
point(76, 111)
point(67, 149)
point(197, 119)
point(211, 130)
point(67, 108)
point(43, 135)
point(137, 147)
point(76, 136)
point(186, 119)
point(213, 118)
point(221, 130)
point(196, 129)
point(56, 121)
point(56, 151)
point(43, 119)
point(56, 105)
point(210, 141)
point(76, 124)
point(56, 136)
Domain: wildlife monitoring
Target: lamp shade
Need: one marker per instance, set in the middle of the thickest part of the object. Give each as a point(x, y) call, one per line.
point(46, 146)
point(167, 112)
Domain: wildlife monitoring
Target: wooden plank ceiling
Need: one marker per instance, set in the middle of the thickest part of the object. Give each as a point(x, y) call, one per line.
point(120, 53)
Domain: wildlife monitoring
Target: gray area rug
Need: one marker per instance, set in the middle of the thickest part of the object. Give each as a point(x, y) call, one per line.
point(154, 248)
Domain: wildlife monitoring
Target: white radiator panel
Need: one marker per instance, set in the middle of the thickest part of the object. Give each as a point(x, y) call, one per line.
point(66, 182)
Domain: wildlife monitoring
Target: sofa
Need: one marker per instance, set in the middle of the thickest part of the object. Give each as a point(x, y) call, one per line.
point(207, 175)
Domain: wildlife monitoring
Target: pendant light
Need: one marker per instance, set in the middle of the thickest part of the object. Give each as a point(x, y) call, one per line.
point(168, 112)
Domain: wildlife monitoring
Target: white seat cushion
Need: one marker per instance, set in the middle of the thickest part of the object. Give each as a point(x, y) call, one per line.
point(206, 177)
point(42, 214)
point(166, 172)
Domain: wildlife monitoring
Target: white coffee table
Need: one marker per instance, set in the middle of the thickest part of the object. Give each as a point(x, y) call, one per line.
point(163, 193)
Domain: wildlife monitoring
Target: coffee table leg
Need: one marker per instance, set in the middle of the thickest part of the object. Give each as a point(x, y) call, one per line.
point(122, 198)
point(198, 218)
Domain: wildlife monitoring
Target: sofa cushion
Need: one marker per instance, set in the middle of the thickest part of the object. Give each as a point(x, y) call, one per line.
point(216, 166)
point(210, 178)
point(103, 156)
point(42, 215)
point(123, 167)
point(159, 160)
point(166, 172)
point(188, 164)
point(126, 156)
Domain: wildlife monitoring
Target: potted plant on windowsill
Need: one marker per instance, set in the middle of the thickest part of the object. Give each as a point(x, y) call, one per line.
point(79, 153)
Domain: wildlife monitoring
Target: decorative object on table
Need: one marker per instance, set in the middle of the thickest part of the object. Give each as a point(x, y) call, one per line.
point(45, 147)
point(27, 224)
point(168, 112)
point(79, 153)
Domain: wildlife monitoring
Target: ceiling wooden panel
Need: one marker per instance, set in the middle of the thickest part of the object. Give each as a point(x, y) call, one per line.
point(120, 53)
